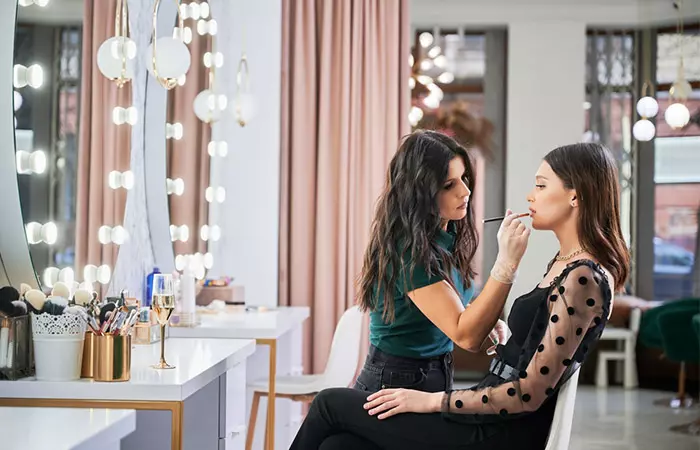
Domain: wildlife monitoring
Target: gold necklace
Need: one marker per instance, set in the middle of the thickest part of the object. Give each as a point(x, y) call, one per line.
point(569, 256)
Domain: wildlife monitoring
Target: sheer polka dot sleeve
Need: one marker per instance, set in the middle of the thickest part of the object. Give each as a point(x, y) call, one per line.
point(577, 303)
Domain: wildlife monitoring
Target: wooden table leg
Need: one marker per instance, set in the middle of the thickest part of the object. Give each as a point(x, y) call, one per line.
point(270, 423)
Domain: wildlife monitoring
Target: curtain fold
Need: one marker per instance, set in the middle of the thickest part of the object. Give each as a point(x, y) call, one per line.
point(345, 101)
point(188, 157)
point(103, 146)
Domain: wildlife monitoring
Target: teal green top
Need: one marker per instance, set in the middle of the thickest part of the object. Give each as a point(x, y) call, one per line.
point(411, 334)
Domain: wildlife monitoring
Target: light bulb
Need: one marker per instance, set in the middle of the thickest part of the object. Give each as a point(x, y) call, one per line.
point(180, 262)
point(179, 186)
point(220, 194)
point(204, 232)
point(202, 28)
point(114, 179)
point(174, 131)
point(172, 58)
point(213, 27)
point(431, 101)
point(441, 61)
point(208, 260)
point(208, 106)
point(209, 194)
point(66, 275)
point(434, 52)
point(181, 80)
point(195, 11)
point(17, 97)
point(32, 76)
point(426, 39)
point(647, 107)
point(37, 161)
point(184, 11)
point(411, 83)
point(219, 149)
point(41, 3)
point(184, 233)
point(415, 115)
point(214, 233)
point(104, 274)
point(33, 230)
point(424, 79)
point(86, 286)
point(50, 276)
point(128, 180)
point(104, 234)
point(204, 10)
point(446, 77)
point(119, 235)
point(49, 233)
point(677, 115)
point(426, 64)
point(436, 91)
point(132, 115)
point(116, 58)
point(90, 273)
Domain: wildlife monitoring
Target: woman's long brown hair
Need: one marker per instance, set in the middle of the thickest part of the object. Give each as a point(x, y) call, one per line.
point(407, 222)
point(591, 171)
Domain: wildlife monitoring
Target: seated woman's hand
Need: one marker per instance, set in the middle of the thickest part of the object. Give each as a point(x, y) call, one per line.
point(389, 402)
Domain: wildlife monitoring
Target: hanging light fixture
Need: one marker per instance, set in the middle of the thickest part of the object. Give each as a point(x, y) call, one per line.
point(428, 66)
point(116, 55)
point(168, 58)
point(677, 115)
point(647, 108)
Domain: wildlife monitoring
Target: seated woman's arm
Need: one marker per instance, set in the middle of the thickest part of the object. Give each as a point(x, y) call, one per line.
point(576, 306)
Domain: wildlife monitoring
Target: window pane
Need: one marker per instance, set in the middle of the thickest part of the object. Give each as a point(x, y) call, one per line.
point(669, 51)
point(677, 206)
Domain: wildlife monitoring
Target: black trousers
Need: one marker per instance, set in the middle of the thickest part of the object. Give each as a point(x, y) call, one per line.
point(338, 421)
point(385, 371)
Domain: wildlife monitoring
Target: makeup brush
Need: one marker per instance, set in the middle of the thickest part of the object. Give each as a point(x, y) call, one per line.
point(500, 218)
point(55, 305)
point(35, 300)
point(82, 297)
point(20, 308)
point(106, 308)
point(60, 289)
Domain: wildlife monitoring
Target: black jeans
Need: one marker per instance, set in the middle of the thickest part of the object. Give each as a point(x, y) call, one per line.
point(384, 371)
point(338, 421)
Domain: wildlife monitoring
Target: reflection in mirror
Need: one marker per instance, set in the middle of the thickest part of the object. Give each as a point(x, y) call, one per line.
point(191, 148)
point(67, 142)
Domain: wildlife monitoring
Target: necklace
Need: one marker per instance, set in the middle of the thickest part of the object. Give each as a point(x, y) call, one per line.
point(569, 256)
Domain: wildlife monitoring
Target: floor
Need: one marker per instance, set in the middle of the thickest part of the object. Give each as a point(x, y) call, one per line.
point(617, 419)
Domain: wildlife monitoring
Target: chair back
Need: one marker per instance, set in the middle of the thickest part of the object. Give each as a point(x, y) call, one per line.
point(345, 350)
point(560, 432)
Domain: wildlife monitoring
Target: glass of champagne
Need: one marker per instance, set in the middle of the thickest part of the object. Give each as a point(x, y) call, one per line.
point(163, 304)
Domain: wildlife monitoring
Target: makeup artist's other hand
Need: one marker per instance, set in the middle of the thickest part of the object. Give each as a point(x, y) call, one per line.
point(499, 335)
point(389, 402)
point(512, 239)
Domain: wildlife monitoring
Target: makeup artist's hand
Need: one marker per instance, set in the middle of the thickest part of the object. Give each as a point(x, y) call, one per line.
point(499, 335)
point(389, 402)
point(512, 239)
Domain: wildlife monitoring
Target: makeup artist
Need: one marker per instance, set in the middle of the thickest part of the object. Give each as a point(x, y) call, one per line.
point(417, 275)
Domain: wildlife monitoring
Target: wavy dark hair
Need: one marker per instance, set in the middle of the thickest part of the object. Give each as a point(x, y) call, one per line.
point(407, 221)
point(591, 170)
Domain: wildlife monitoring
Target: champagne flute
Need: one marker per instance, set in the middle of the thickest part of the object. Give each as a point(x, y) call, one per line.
point(162, 304)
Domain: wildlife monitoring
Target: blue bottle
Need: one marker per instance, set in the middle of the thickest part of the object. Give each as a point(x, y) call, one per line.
point(149, 287)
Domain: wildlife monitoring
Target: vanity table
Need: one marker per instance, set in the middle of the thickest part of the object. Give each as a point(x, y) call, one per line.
point(278, 334)
point(65, 428)
point(199, 404)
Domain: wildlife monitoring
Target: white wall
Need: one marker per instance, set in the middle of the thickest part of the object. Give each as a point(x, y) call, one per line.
point(546, 68)
point(249, 218)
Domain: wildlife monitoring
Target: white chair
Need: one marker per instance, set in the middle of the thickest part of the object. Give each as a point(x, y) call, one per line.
point(340, 370)
point(627, 337)
point(560, 432)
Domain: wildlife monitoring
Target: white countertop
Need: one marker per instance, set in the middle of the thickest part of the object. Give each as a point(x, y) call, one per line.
point(64, 428)
point(198, 362)
point(232, 324)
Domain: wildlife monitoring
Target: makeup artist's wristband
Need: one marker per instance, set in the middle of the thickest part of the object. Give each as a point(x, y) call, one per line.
point(504, 272)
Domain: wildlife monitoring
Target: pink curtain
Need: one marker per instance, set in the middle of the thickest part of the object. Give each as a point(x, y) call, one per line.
point(103, 146)
point(188, 158)
point(344, 107)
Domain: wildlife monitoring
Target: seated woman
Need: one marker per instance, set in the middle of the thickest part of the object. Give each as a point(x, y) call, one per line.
point(576, 196)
